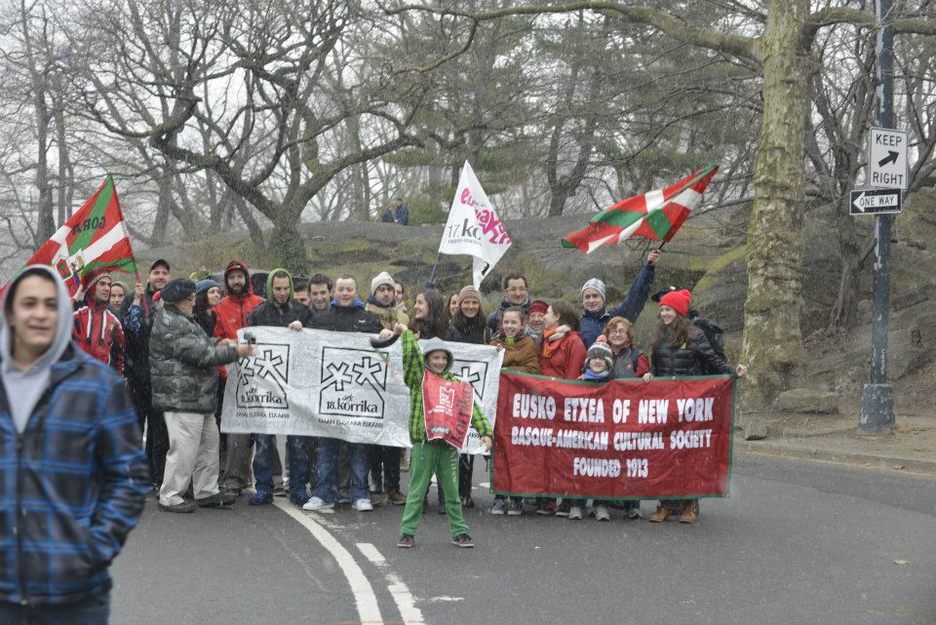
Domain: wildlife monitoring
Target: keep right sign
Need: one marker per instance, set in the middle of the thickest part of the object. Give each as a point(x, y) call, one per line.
point(887, 158)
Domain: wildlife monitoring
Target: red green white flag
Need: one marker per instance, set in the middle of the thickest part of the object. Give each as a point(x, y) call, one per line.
point(93, 237)
point(655, 215)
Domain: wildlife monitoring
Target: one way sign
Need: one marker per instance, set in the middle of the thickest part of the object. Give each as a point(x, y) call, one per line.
point(874, 201)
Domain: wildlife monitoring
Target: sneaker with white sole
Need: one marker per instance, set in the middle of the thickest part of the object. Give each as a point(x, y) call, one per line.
point(363, 505)
point(316, 503)
point(575, 513)
point(602, 513)
point(499, 507)
point(515, 507)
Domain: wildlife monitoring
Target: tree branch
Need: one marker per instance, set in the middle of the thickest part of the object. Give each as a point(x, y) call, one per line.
point(702, 37)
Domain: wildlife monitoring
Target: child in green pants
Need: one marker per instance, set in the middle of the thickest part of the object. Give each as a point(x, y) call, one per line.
point(435, 456)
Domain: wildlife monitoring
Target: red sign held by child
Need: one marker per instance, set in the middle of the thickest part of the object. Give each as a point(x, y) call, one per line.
point(447, 405)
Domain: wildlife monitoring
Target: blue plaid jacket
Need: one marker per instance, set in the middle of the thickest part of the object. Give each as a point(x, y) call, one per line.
point(72, 486)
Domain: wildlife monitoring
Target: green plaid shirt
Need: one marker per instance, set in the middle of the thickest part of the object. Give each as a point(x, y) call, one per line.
point(413, 372)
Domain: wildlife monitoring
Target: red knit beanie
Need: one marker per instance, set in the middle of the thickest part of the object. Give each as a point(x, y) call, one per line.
point(678, 301)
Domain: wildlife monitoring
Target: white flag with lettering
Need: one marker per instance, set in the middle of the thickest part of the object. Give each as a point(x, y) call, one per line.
point(473, 227)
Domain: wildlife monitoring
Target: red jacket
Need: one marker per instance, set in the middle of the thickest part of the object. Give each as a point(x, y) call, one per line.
point(231, 312)
point(567, 359)
point(97, 331)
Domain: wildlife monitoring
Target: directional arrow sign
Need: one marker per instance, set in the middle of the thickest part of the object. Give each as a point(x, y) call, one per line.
point(874, 201)
point(887, 158)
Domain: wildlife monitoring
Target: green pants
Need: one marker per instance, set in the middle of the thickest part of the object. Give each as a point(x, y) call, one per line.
point(441, 459)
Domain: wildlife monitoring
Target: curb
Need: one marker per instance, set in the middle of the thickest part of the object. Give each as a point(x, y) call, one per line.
point(809, 452)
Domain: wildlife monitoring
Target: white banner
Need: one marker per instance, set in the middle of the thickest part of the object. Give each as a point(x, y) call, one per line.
point(336, 385)
point(473, 227)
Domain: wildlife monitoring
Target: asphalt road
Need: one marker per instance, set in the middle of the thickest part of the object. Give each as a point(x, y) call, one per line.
point(796, 542)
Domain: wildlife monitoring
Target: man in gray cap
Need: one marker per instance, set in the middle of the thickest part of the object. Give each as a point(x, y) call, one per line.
point(184, 372)
point(596, 316)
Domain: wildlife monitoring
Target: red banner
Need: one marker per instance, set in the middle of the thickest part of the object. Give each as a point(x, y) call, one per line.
point(623, 439)
point(447, 405)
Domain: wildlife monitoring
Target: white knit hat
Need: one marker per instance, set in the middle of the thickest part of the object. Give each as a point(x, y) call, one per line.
point(382, 278)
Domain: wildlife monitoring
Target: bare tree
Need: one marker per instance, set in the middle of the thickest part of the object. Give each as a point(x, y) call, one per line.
point(781, 51)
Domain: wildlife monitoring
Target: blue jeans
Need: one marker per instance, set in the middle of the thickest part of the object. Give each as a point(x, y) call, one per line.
point(326, 470)
point(298, 464)
point(91, 611)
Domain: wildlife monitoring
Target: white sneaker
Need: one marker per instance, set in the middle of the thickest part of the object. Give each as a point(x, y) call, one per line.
point(363, 505)
point(317, 504)
point(575, 513)
point(602, 514)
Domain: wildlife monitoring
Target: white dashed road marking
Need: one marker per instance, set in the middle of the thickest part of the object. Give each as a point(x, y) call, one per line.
point(406, 603)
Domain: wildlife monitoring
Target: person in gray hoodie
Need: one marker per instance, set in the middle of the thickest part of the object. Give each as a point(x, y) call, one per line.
point(75, 475)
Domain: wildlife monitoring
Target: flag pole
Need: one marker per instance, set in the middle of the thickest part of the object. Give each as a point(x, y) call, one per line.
point(430, 284)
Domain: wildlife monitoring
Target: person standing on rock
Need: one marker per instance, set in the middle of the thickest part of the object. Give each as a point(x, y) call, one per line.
point(679, 348)
point(593, 301)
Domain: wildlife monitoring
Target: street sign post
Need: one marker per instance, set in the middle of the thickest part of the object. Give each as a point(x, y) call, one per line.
point(874, 201)
point(887, 158)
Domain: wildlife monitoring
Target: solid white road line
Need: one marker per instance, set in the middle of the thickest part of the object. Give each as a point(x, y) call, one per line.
point(406, 603)
point(364, 597)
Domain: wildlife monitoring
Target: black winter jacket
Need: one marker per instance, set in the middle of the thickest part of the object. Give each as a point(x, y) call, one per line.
point(464, 330)
point(269, 313)
point(688, 359)
point(351, 318)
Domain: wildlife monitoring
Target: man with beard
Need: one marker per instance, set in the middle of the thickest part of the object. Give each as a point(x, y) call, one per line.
point(97, 329)
point(281, 310)
point(231, 315)
point(137, 313)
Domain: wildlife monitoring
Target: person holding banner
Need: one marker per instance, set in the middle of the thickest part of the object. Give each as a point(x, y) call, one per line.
point(184, 363)
point(520, 354)
point(681, 349)
point(467, 326)
point(385, 459)
point(347, 314)
point(562, 355)
point(281, 310)
point(627, 363)
point(438, 395)
point(563, 352)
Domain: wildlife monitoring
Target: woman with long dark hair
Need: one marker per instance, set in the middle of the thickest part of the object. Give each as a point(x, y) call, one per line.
point(207, 296)
point(430, 320)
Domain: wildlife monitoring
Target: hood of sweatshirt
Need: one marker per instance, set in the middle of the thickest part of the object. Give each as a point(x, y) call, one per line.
point(31, 383)
point(236, 265)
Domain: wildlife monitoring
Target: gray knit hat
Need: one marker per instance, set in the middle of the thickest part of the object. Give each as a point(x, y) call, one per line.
point(595, 283)
point(600, 350)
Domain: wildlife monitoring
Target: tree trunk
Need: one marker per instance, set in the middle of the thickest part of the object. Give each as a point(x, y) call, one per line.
point(773, 341)
point(163, 208)
point(288, 247)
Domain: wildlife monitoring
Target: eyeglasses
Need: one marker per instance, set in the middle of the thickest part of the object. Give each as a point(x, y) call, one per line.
point(517, 289)
point(617, 331)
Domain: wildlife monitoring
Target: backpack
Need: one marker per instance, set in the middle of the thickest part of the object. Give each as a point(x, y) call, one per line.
point(715, 337)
